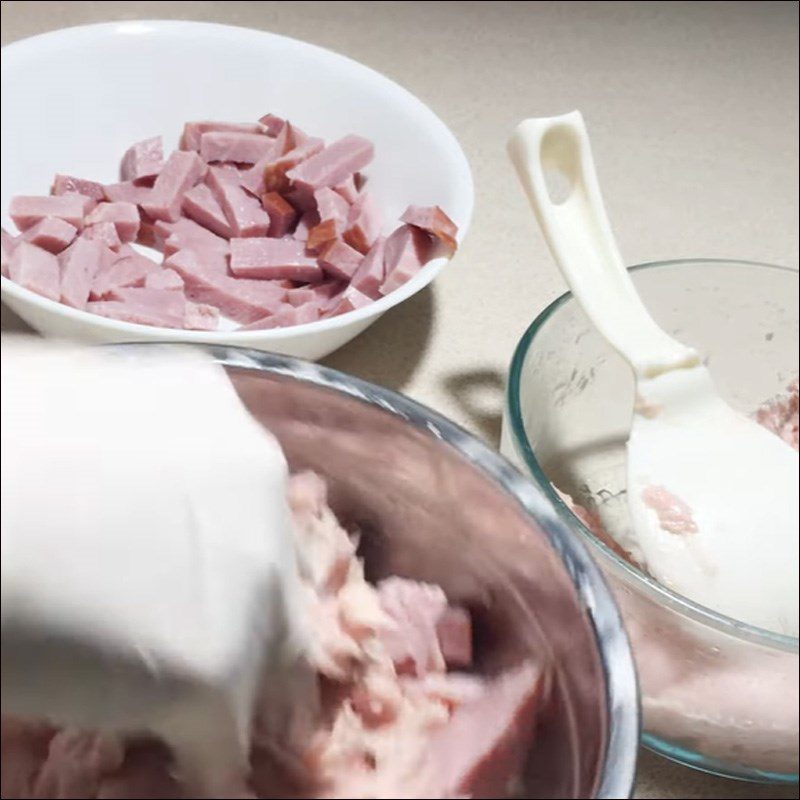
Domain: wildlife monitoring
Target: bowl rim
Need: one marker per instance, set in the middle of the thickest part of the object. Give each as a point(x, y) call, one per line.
point(649, 586)
point(622, 700)
point(464, 184)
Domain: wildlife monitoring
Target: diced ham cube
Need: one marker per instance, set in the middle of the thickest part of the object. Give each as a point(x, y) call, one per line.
point(124, 216)
point(79, 263)
point(321, 235)
point(339, 260)
point(160, 307)
point(181, 172)
point(126, 272)
point(200, 317)
point(239, 299)
point(334, 164)
point(275, 173)
point(240, 148)
point(281, 214)
point(286, 317)
point(350, 300)
point(51, 234)
point(64, 184)
point(463, 764)
point(9, 242)
point(193, 131)
point(26, 211)
point(142, 162)
point(274, 125)
point(127, 192)
point(103, 232)
point(200, 205)
point(35, 269)
point(433, 220)
point(454, 631)
point(407, 250)
point(186, 233)
point(363, 223)
point(348, 189)
point(370, 275)
point(243, 212)
point(332, 206)
point(299, 297)
point(164, 279)
point(273, 258)
point(304, 226)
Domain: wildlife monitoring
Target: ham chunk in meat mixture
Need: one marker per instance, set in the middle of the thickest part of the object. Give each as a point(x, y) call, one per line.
point(241, 214)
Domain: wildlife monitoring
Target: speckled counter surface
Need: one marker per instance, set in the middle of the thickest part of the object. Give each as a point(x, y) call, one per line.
point(693, 113)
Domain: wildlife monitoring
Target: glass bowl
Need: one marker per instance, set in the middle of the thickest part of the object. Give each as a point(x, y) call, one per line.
point(717, 694)
point(433, 503)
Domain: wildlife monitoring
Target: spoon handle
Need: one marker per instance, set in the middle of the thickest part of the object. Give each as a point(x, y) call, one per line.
point(579, 235)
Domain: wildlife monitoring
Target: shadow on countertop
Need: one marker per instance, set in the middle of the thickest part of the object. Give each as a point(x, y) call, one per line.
point(389, 351)
point(479, 394)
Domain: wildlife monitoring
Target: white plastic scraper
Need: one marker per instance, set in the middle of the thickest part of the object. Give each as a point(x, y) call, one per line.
point(713, 496)
point(149, 582)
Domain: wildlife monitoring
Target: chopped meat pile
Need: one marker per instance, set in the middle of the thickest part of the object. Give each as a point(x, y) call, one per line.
point(257, 223)
point(393, 712)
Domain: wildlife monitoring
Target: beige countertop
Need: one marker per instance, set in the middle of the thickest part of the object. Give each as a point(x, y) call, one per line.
point(693, 112)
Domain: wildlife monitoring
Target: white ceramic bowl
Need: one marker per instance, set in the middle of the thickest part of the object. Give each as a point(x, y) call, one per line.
point(75, 99)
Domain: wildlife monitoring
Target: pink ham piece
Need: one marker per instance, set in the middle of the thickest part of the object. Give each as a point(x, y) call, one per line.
point(35, 269)
point(350, 300)
point(26, 211)
point(104, 232)
point(200, 205)
point(407, 250)
point(9, 242)
point(186, 233)
point(304, 226)
point(483, 747)
point(454, 632)
point(164, 279)
point(80, 263)
point(159, 307)
point(127, 192)
point(180, 173)
point(339, 260)
point(243, 212)
point(274, 125)
point(239, 299)
point(51, 234)
point(333, 165)
point(167, 303)
point(415, 609)
point(253, 179)
point(286, 317)
point(275, 174)
point(142, 162)
point(200, 317)
point(299, 297)
point(369, 277)
point(126, 272)
point(281, 214)
point(124, 216)
point(193, 131)
point(348, 189)
point(433, 220)
point(273, 258)
point(321, 235)
point(235, 146)
point(363, 223)
point(66, 184)
point(332, 206)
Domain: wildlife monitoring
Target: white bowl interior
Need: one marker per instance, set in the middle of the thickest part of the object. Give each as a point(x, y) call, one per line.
point(74, 100)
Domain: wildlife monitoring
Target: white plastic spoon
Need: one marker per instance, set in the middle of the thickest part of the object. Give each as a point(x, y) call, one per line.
point(713, 496)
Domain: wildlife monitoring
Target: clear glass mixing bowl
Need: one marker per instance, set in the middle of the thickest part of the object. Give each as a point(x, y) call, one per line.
point(717, 694)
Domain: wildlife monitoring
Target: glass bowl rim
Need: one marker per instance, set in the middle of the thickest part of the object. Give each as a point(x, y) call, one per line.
point(650, 587)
